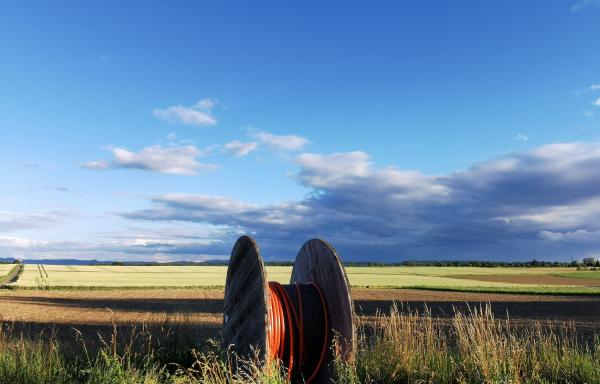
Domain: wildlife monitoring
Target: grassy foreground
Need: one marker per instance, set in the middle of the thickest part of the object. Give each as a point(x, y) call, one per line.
point(471, 347)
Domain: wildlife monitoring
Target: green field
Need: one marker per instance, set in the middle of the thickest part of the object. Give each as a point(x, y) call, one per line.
point(535, 280)
point(5, 268)
point(130, 276)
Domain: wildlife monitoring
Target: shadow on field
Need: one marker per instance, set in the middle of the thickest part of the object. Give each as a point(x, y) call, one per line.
point(204, 305)
point(534, 310)
point(576, 310)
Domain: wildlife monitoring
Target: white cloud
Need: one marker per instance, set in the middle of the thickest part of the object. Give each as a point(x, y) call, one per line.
point(32, 165)
point(588, 113)
point(158, 242)
point(597, 102)
point(17, 242)
point(521, 137)
point(352, 172)
point(579, 235)
point(280, 142)
point(176, 160)
point(96, 164)
point(215, 203)
point(198, 114)
point(327, 170)
point(577, 214)
point(582, 4)
point(240, 149)
point(594, 87)
point(16, 221)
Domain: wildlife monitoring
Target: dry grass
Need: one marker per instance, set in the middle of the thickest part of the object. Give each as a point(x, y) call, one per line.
point(473, 348)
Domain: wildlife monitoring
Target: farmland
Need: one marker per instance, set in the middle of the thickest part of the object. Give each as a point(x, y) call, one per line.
point(83, 295)
point(95, 296)
point(477, 279)
point(159, 313)
point(5, 269)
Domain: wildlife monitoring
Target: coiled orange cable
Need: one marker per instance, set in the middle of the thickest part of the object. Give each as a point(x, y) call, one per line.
point(284, 320)
point(325, 333)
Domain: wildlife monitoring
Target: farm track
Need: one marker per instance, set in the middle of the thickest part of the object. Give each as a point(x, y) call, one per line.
point(12, 276)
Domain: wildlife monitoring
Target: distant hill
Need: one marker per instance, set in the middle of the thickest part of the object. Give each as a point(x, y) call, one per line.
point(53, 261)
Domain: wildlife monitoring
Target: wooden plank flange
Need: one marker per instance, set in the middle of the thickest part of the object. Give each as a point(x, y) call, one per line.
point(319, 263)
point(246, 301)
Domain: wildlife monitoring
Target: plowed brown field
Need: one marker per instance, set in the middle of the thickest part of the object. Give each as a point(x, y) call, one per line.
point(533, 279)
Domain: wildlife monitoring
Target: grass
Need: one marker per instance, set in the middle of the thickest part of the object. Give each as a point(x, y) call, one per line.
point(398, 347)
point(447, 278)
point(42, 360)
point(474, 348)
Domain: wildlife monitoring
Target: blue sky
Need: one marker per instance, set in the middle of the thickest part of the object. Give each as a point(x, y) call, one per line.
point(396, 130)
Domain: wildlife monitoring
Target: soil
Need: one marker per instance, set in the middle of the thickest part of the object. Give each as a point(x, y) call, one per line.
point(534, 279)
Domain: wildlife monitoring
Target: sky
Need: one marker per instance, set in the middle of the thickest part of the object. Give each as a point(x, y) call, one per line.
point(395, 130)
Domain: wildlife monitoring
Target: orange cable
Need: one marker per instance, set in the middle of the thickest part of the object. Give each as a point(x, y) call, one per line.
point(325, 337)
point(277, 331)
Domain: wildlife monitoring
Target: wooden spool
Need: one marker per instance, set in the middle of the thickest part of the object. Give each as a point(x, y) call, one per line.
point(246, 301)
point(245, 322)
point(318, 262)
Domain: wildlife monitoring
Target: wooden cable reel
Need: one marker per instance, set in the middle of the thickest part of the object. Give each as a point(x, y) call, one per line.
point(293, 323)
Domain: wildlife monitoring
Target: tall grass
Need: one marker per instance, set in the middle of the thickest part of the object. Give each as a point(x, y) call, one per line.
point(396, 347)
point(472, 347)
point(42, 360)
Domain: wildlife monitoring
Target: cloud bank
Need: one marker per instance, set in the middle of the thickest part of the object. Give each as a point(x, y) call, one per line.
point(164, 244)
point(543, 203)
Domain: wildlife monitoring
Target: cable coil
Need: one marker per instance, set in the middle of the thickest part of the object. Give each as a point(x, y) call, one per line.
point(287, 326)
